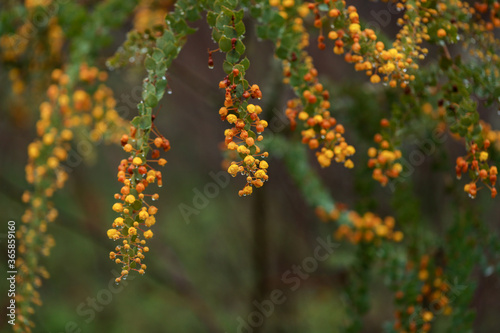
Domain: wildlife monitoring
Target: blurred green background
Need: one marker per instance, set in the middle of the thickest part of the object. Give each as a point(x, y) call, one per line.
point(205, 272)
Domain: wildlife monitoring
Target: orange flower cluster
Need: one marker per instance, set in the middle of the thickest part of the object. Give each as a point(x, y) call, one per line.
point(384, 160)
point(361, 47)
point(311, 107)
point(136, 215)
point(241, 139)
point(64, 112)
point(321, 129)
point(491, 135)
point(150, 14)
point(476, 162)
point(433, 297)
point(356, 228)
point(494, 13)
point(368, 228)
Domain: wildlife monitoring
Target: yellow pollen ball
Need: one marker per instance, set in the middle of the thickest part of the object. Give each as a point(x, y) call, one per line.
point(148, 234)
point(303, 116)
point(143, 215)
point(150, 221)
point(249, 160)
point(152, 210)
point(118, 207)
point(260, 173)
point(375, 78)
point(128, 148)
point(354, 28)
point(52, 162)
point(119, 221)
point(113, 234)
point(233, 169)
point(130, 199)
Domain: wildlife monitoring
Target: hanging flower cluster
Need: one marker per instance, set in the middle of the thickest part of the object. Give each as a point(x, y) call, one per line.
point(311, 107)
point(86, 106)
point(418, 302)
point(362, 47)
point(247, 131)
point(368, 228)
point(136, 215)
point(476, 162)
point(384, 159)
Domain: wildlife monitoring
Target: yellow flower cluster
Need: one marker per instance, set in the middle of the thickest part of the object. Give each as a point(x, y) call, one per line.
point(241, 139)
point(368, 228)
point(150, 14)
point(15, 45)
point(311, 107)
point(384, 163)
point(286, 8)
point(60, 116)
point(433, 297)
point(384, 159)
point(136, 216)
point(491, 135)
point(362, 48)
point(477, 161)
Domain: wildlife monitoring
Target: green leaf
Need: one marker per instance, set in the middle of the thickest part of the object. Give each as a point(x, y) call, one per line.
point(233, 56)
point(150, 64)
point(282, 53)
point(246, 63)
point(128, 221)
point(228, 67)
point(192, 14)
point(240, 28)
point(288, 41)
point(240, 47)
point(148, 89)
point(238, 16)
point(225, 44)
point(216, 35)
point(142, 122)
point(229, 32)
point(211, 18)
point(222, 20)
point(151, 100)
point(232, 3)
point(239, 90)
point(323, 7)
point(160, 87)
point(137, 205)
point(158, 55)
